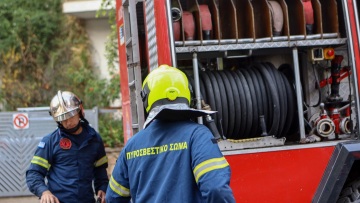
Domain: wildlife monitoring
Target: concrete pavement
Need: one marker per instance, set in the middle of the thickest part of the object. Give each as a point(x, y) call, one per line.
point(24, 199)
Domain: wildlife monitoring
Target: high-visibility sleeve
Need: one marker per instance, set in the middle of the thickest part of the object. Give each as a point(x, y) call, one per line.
point(39, 166)
point(118, 190)
point(100, 173)
point(210, 168)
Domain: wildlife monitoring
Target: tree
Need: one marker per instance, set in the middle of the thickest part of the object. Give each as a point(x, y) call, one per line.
point(42, 51)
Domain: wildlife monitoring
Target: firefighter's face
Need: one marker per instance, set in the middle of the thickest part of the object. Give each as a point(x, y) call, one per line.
point(71, 122)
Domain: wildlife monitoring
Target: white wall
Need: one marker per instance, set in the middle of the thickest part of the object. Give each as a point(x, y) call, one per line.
point(98, 31)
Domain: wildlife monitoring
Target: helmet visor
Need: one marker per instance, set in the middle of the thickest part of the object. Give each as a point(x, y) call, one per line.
point(66, 115)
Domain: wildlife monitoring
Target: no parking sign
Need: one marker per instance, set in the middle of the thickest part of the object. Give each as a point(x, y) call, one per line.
point(21, 121)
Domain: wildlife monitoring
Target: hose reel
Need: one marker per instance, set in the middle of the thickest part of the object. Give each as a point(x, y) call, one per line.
point(249, 101)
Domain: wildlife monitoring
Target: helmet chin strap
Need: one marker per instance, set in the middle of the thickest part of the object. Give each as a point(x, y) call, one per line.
point(74, 129)
point(71, 130)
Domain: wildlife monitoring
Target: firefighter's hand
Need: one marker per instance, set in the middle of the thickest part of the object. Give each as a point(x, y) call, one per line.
point(48, 197)
point(101, 196)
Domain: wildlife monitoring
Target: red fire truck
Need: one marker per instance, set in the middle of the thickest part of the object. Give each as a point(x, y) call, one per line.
point(282, 76)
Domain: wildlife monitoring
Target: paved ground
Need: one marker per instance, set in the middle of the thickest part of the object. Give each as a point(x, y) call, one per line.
point(30, 199)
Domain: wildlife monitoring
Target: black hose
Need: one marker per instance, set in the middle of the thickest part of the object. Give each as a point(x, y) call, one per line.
point(282, 96)
point(243, 105)
point(218, 101)
point(242, 96)
point(290, 107)
point(289, 74)
point(210, 94)
point(237, 103)
point(249, 107)
point(231, 104)
point(224, 102)
point(259, 94)
point(254, 102)
point(275, 83)
point(269, 102)
point(266, 99)
point(275, 98)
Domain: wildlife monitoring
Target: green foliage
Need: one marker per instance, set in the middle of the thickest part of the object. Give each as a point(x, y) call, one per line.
point(111, 130)
point(26, 39)
point(41, 51)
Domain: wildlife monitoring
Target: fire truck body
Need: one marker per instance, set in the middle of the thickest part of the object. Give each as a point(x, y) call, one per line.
point(290, 131)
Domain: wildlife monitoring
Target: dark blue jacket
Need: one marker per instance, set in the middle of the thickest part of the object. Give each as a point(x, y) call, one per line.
point(69, 168)
point(171, 162)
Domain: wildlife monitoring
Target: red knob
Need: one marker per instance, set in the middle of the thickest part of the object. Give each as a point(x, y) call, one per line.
point(330, 52)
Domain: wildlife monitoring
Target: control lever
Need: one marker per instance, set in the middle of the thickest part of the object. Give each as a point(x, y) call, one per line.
point(210, 122)
point(263, 126)
point(211, 125)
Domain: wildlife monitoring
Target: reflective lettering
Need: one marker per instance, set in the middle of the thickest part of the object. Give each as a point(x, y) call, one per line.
point(156, 150)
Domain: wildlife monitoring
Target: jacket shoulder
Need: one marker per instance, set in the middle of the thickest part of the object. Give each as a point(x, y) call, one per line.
point(92, 131)
point(51, 136)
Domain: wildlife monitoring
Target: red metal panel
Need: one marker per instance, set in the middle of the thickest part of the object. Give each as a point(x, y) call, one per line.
point(278, 176)
point(162, 32)
point(354, 37)
point(124, 81)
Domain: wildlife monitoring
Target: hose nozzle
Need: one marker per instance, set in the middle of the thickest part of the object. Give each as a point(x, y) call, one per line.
point(345, 125)
point(175, 13)
point(325, 127)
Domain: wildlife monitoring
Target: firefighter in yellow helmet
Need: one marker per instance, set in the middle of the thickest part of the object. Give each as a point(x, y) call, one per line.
point(173, 159)
point(72, 158)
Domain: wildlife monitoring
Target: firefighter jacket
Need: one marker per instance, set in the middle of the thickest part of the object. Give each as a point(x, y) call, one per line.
point(68, 167)
point(171, 162)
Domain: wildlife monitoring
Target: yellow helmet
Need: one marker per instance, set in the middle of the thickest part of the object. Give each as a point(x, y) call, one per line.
point(165, 85)
point(166, 96)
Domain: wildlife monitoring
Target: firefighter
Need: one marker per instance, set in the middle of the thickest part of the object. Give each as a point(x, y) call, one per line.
point(70, 158)
point(173, 159)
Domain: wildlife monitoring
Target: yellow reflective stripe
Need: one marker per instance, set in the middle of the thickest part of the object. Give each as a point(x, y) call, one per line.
point(119, 189)
point(209, 165)
point(41, 162)
point(101, 161)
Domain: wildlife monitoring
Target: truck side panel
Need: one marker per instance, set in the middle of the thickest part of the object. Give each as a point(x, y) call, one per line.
point(253, 174)
point(125, 95)
point(354, 36)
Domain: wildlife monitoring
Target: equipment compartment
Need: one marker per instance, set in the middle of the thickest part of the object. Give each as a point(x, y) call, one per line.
point(258, 77)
